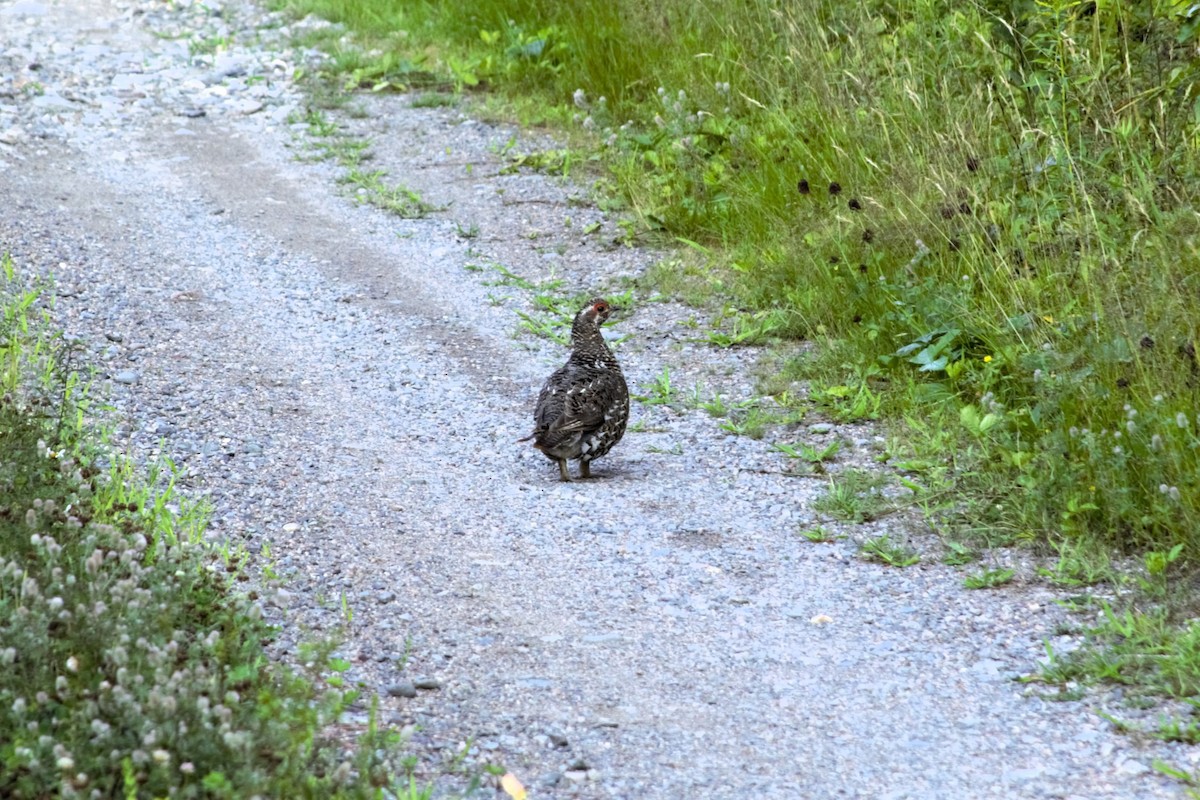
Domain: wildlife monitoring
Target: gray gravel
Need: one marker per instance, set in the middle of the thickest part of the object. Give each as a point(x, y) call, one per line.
point(346, 388)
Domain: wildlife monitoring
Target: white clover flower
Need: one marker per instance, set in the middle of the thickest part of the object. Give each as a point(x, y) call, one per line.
point(66, 763)
point(1181, 420)
point(1162, 488)
point(1117, 450)
point(602, 101)
point(161, 756)
point(1131, 426)
point(18, 706)
point(187, 768)
point(659, 121)
point(1156, 442)
point(580, 99)
point(589, 123)
point(55, 603)
point(1174, 493)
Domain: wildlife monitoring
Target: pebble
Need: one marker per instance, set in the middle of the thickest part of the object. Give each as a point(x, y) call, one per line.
point(401, 689)
point(128, 377)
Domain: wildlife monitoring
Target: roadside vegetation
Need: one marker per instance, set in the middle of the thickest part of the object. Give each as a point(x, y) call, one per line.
point(984, 215)
point(130, 665)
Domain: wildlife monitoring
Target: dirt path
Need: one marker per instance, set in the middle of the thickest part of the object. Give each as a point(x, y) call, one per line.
point(346, 388)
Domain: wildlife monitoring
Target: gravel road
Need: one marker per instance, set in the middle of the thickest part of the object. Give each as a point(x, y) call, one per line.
point(346, 388)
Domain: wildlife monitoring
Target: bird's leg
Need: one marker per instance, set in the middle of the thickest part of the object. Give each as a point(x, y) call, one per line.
point(585, 469)
point(562, 470)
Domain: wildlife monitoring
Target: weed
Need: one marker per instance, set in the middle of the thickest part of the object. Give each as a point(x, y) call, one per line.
point(886, 551)
point(434, 100)
point(399, 200)
point(748, 330)
point(751, 421)
point(855, 496)
point(818, 534)
point(988, 578)
point(809, 453)
point(659, 393)
point(958, 554)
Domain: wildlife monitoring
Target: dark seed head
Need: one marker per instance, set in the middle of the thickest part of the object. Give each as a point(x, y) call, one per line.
point(802, 186)
point(947, 212)
point(964, 208)
point(1122, 383)
point(955, 245)
point(835, 188)
point(857, 319)
point(834, 259)
point(868, 235)
point(862, 268)
point(854, 204)
point(1147, 343)
point(972, 164)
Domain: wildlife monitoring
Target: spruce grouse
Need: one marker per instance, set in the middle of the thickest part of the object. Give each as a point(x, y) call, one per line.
point(583, 407)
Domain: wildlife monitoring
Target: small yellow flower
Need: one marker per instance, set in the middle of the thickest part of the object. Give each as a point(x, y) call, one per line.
point(986, 359)
point(1049, 318)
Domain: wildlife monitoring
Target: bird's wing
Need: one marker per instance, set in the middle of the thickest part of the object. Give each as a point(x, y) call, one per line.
point(586, 403)
point(551, 399)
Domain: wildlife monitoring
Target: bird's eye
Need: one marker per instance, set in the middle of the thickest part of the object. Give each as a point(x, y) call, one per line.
point(602, 307)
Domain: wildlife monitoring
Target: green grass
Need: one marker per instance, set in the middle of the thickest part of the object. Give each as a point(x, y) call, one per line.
point(809, 453)
point(887, 551)
point(129, 664)
point(818, 534)
point(988, 578)
point(855, 495)
point(369, 187)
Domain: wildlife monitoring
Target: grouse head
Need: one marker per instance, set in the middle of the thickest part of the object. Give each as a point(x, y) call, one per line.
point(589, 319)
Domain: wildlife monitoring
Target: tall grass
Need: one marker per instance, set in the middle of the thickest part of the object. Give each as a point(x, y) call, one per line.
point(986, 210)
